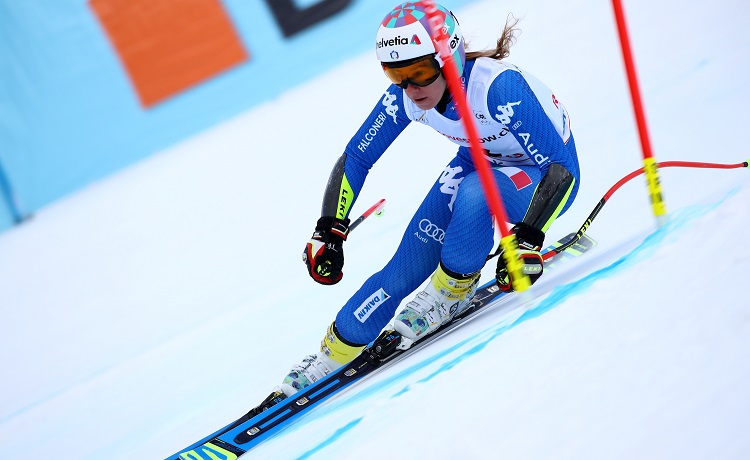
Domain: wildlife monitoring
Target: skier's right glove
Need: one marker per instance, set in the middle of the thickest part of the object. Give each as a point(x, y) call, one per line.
point(324, 253)
point(530, 241)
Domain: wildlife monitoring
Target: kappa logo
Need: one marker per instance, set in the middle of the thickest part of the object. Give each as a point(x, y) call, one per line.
point(390, 107)
point(506, 112)
point(449, 183)
point(370, 305)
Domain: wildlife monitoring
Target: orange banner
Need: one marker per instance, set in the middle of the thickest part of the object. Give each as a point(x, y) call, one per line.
point(168, 46)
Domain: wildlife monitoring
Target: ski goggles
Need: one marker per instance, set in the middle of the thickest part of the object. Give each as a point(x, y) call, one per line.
point(421, 71)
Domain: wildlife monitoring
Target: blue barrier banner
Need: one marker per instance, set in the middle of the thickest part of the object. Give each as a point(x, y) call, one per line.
point(71, 77)
point(8, 198)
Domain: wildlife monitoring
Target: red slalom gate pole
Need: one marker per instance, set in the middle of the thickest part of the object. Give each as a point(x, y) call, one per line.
point(508, 240)
point(649, 162)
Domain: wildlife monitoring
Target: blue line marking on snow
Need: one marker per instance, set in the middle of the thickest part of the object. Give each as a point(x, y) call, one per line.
point(560, 294)
point(331, 439)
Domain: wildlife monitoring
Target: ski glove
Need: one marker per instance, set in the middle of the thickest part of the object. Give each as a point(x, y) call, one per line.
point(324, 254)
point(530, 241)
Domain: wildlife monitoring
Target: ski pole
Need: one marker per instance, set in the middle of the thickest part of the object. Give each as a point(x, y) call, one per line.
point(376, 209)
point(623, 181)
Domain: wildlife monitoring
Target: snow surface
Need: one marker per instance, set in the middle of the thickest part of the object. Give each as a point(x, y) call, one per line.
point(154, 307)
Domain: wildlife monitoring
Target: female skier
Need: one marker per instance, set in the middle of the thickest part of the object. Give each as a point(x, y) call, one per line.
point(525, 132)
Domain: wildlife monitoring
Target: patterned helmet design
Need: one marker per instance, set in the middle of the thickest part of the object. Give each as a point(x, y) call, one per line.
point(405, 34)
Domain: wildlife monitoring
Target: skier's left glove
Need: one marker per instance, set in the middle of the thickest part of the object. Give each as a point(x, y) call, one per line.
point(324, 253)
point(530, 241)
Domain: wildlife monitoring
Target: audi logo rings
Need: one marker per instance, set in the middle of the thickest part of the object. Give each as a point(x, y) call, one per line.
point(432, 230)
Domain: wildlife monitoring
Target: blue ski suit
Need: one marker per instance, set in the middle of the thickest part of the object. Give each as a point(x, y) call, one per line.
point(526, 134)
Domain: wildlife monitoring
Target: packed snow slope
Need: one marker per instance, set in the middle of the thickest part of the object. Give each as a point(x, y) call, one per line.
point(156, 306)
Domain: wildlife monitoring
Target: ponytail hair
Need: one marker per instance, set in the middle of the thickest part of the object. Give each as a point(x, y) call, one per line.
point(506, 40)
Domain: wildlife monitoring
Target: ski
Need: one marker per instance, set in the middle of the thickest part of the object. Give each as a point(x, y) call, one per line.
point(277, 412)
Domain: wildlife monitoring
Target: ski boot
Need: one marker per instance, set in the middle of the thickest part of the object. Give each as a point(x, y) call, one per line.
point(447, 294)
point(334, 353)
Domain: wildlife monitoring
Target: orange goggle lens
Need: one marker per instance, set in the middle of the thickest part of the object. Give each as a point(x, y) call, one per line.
point(421, 71)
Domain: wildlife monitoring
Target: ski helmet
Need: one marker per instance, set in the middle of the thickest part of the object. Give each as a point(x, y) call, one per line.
point(404, 34)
